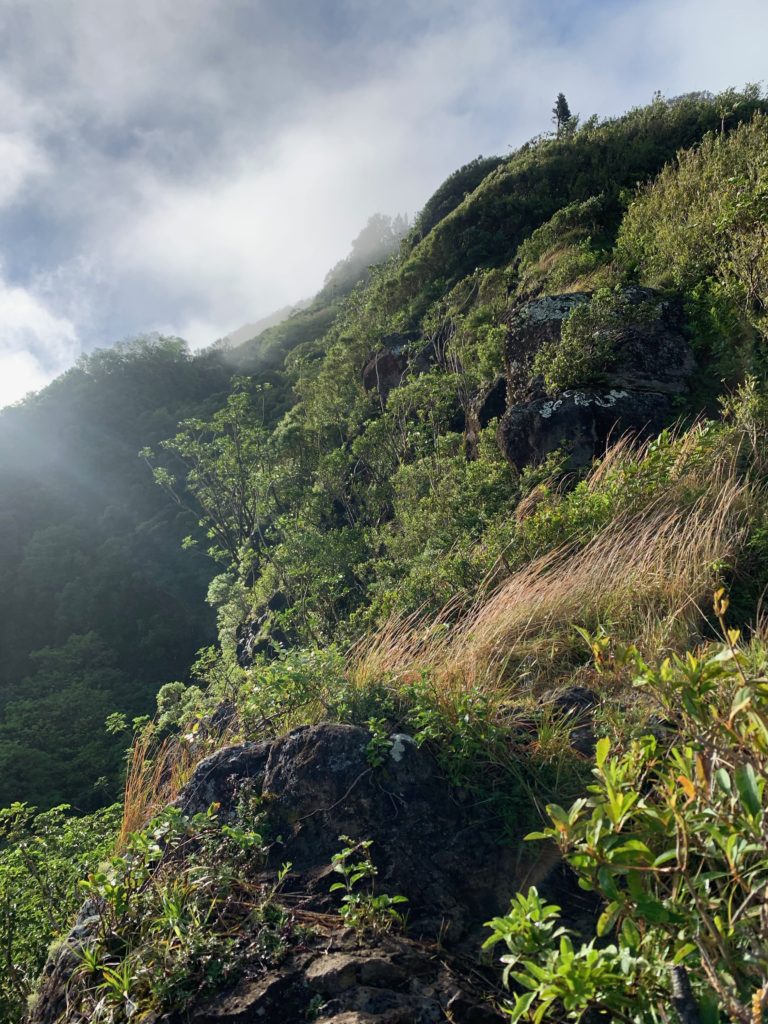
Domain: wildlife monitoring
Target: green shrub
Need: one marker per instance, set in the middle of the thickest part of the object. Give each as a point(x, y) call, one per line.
point(362, 908)
point(704, 223)
point(671, 836)
point(178, 915)
point(568, 247)
point(43, 855)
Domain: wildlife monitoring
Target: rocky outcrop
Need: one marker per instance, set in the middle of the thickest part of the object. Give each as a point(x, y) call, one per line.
point(651, 353)
point(427, 844)
point(391, 981)
point(387, 368)
point(431, 843)
point(262, 635)
point(649, 368)
point(489, 405)
point(530, 326)
point(582, 422)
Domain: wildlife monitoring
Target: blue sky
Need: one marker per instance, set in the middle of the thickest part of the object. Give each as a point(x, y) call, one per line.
point(190, 165)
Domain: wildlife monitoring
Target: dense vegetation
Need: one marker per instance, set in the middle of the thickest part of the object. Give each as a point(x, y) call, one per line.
point(99, 604)
point(377, 565)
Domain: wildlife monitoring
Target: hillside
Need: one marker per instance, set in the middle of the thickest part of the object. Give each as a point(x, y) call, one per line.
point(468, 517)
point(100, 605)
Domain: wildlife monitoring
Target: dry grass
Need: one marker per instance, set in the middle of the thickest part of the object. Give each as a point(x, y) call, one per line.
point(157, 772)
point(645, 577)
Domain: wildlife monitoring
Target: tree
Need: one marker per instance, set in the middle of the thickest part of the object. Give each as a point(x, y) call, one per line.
point(230, 471)
point(561, 112)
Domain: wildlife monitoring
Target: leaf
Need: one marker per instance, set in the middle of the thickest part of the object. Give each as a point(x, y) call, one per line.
point(665, 858)
point(688, 786)
point(607, 884)
point(741, 699)
point(602, 748)
point(720, 602)
point(630, 934)
point(702, 772)
point(632, 846)
point(746, 784)
point(522, 1005)
point(684, 952)
point(558, 815)
point(607, 919)
point(723, 779)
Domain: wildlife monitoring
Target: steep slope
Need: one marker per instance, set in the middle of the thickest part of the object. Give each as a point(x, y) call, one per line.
point(456, 592)
point(100, 606)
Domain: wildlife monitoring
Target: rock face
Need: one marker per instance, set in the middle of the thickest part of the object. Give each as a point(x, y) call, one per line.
point(489, 405)
point(394, 981)
point(431, 844)
point(531, 325)
point(387, 368)
point(651, 365)
point(581, 421)
point(320, 786)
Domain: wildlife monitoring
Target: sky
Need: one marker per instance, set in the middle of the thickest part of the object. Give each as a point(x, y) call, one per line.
point(187, 166)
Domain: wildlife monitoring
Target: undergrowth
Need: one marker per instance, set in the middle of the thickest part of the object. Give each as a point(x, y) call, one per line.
point(671, 836)
point(178, 913)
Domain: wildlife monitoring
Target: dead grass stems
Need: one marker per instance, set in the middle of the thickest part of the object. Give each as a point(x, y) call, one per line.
point(644, 576)
point(158, 770)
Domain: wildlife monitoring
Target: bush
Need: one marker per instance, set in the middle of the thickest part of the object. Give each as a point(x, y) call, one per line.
point(587, 343)
point(705, 218)
point(671, 837)
point(42, 857)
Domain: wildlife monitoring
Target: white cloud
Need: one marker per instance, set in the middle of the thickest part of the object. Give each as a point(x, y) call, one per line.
point(21, 160)
point(20, 374)
point(35, 344)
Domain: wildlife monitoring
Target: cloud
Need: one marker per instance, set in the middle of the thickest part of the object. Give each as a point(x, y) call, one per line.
point(35, 344)
point(191, 166)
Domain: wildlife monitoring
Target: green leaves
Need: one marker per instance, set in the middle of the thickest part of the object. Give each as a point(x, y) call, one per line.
point(672, 838)
point(602, 747)
point(42, 857)
point(169, 910)
point(748, 788)
point(361, 907)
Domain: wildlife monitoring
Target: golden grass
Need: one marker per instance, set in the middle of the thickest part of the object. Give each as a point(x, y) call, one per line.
point(645, 576)
point(149, 781)
point(157, 772)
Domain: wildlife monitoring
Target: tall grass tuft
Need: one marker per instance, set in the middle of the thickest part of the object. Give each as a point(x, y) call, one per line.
point(645, 574)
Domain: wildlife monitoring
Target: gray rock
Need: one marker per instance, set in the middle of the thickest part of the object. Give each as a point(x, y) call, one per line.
point(489, 405)
point(332, 974)
point(581, 422)
point(316, 784)
point(387, 368)
point(651, 364)
point(530, 326)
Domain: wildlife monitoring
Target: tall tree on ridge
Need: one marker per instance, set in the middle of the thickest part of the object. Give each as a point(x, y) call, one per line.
point(561, 112)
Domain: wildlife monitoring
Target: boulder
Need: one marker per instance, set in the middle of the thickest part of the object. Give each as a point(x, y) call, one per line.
point(581, 422)
point(384, 371)
point(387, 368)
point(530, 326)
point(649, 368)
point(429, 844)
point(652, 353)
point(489, 405)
